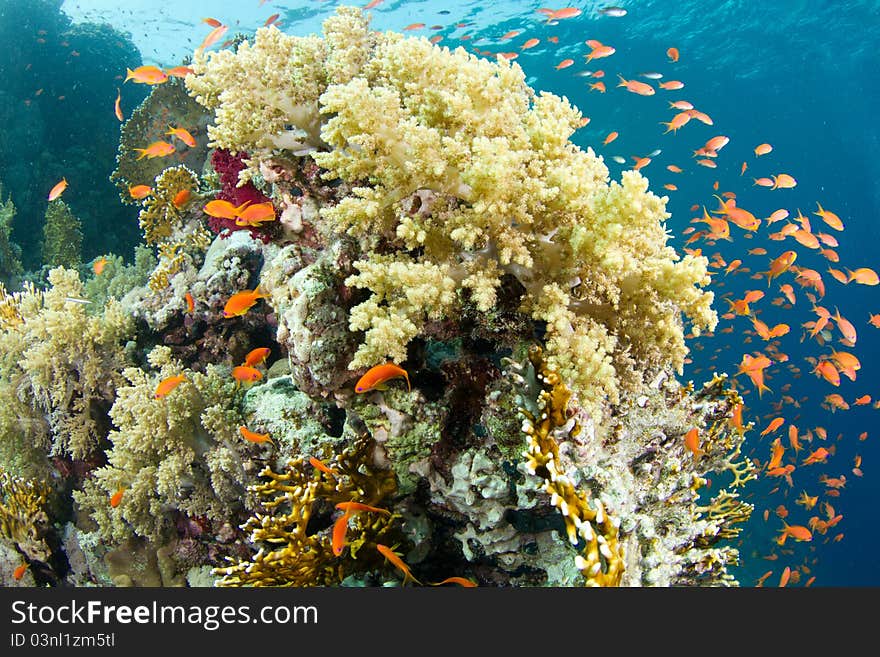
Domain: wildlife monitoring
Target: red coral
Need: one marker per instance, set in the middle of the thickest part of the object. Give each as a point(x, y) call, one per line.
point(228, 166)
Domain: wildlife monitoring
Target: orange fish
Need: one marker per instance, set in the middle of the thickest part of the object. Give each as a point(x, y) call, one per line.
point(565, 63)
point(99, 264)
point(116, 499)
point(339, 529)
point(762, 149)
point(240, 302)
point(213, 22)
point(58, 189)
point(558, 14)
point(786, 575)
point(169, 384)
point(829, 217)
point(797, 532)
point(116, 108)
point(377, 376)
point(611, 137)
point(780, 265)
point(146, 75)
point(531, 43)
point(820, 455)
point(598, 86)
point(863, 276)
point(320, 465)
point(773, 426)
point(271, 19)
point(224, 209)
point(599, 50)
point(257, 356)
point(19, 572)
point(672, 85)
point(692, 442)
point(672, 53)
point(253, 436)
point(389, 554)
point(213, 37)
point(140, 191)
point(827, 371)
point(179, 71)
point(245, 373)
point(677, 122)
point(461, 581)
point(354, 507)
point(183, 135)
point(636, 87)
point(190, 302)
point(156, 149)
point(414, 26)
point(254, 215)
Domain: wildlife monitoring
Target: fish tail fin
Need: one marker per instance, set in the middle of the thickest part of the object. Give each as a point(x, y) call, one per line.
point(129, 74)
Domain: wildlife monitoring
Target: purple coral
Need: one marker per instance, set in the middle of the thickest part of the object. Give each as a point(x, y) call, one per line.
point(228, 166)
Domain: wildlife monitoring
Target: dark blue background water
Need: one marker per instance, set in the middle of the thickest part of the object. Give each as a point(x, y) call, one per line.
point(801, 75)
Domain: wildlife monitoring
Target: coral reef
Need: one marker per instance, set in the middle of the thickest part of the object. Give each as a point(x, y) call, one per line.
point(10, 253)
point(59, 369)
point(62, 237)
point(23, 519)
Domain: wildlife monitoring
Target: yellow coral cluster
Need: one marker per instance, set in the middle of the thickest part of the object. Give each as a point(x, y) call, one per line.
point(23, 519)
point(291, 556)
point(601, 561)
point(59, 367)
point(165, 223)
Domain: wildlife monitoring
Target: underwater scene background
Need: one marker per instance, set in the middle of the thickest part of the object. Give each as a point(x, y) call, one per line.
point(485, 363)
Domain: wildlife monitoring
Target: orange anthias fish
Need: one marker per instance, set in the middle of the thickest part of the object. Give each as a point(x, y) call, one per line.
point(753, 367)
point(169, 384)
point(240, 302)
point(224, 209)
point(461, 581)
point(183, 135)
point(140, 191)
point(339, 529)
point(254, 215)
point(190, 302)
point(19, 572)
point(672, 53)
point(797, 532)
point(636, 87)
point(377, 376)
point(246, 374)
point(58, 189)
point(181, 198)
point(692, 442)
point(389, 554)
point(611, 137)
point(213, 37)
point(863, 276)
point(253, 436)
point(762, 149)
point(257, 356)
point(599, 50)
point(146, 75)
point(780, 265)
point(773, 426)
point(116, 498)
point(829, 217)
point(783, 181)
point(99, 264)
point(820, 455)
point(116, 108)
point(179, 71)
point(354, 507)
point(156, 149)
point(323, 467)
point(672, 85)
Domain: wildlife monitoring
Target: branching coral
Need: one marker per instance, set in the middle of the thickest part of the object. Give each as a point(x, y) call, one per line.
point(23, 519)
point(291, 552)
point(601, 560)
point(59, 368)
point(10, 252)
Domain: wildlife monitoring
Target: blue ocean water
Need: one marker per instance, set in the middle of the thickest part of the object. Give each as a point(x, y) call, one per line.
point(800, 75)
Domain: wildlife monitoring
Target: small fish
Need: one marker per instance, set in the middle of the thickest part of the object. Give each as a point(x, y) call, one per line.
point(395, 559)
point(181, 198)
point(190, 302)
point(619, 159)
point(531, 43)
point(353, 507)
point(613, 12)
point(692, 442)
point(323, 467)
point(183, 135)
point(651, 75)
point(99, 264)
point(58, 189)
point(116, 498)
point(672, 85)
point(19, 572)
point(116, 108)
point(156, 149)
point(611, 137)
point(339, 529)
point(461, 581)
point(146, 75)
point(253, 436)
point(271, 19)
point(414, 26)
point(863, 276)
point(169, 384)
point(565, 63)
point(673, 54)
point(75, 300)
point(247, 374)
point(762, 149)
point(377, 376)
point(255, 215)
point(140, 191)
point(178, 71)
point(257, 356)
point(213, 37)
point(213, 22)
point(636, 87)
point(240, 302)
